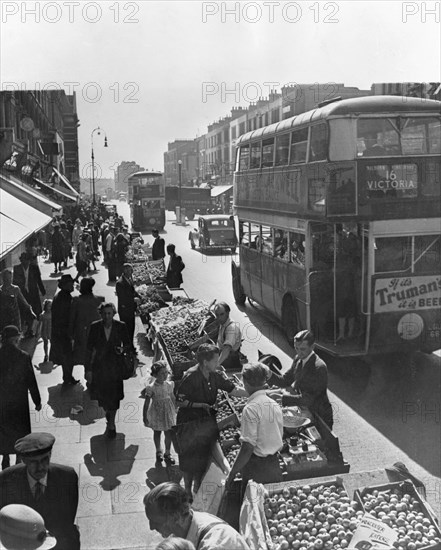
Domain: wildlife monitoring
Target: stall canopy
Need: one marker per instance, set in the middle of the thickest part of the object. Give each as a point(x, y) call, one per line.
point(66, 182)
point(219, 190)
point(62, 192)
point(18, 221)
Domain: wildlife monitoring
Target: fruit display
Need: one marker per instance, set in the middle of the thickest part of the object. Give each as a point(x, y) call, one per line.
point(148, 307)
point(311, 517)
point(238, 404)
point(400, 507)
point(232, 452)
point(182, 301)
point(148, 272)
point(228, 433)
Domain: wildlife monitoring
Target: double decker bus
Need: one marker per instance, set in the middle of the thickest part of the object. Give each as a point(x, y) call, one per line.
point(147, 200)
point(339, 223)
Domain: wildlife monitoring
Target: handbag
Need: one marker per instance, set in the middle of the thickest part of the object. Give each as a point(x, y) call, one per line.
point(189, 434)
point(127, 365)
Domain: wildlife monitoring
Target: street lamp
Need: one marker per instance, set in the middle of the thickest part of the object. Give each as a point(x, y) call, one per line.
point(180, 189)
point(98, 130)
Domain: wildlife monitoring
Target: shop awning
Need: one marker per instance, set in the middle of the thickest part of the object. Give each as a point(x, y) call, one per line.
point(18, 221)
point(12, 184)
point(56, 189)
point(66, 182)
point(219, 190)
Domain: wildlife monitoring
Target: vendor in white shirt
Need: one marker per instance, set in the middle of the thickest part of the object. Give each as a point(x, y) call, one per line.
point(229, 338)
point(261, 431)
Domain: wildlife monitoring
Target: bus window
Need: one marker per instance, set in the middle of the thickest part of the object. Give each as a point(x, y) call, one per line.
point(427, 254)
point(280, 243)
point(430, 186)
point(244, 157)
point(318, 149)
point(268, 152)
point(419, 136)
point(377, 137)
point(393, 254)
point(299, 146)
point(256, 155)
point(282, 149)
point(297, 249)
point(244, 233)
point(267, 240)
point(255, 238)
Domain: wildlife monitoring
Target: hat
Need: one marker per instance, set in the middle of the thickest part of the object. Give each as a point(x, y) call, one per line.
point(65, 279)
point(34, 444)
point(22, 528)
point(10, 331)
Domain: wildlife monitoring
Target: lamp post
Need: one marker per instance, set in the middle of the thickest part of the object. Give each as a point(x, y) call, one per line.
point(98, 130)
point(180, 189)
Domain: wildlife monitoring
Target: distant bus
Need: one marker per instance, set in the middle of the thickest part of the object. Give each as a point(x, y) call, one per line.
point(147, 201)
point(122, 196)
point(339, 224)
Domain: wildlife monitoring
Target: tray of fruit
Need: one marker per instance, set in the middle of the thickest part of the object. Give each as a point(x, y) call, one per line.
point(400, 506)
point(319, 516)
point(228, 436)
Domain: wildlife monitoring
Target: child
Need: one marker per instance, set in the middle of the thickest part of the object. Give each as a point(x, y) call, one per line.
point(45, 326)
point(160, 409)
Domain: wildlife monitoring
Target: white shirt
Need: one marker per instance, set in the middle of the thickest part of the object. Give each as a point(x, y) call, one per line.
point(229, 333)
point(262, 424)
point(218, 537)
point(33, 482)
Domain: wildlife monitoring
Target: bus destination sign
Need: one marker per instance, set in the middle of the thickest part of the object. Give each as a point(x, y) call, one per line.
point(404, 293)
point(400, 180)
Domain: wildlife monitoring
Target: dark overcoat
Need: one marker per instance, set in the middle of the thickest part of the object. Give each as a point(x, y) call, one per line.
point(104, 363)
point(16, 379)
point(35, 285)
point(83, 312)
point(61, 345)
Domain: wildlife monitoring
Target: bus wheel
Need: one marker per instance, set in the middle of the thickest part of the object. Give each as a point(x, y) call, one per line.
point(238, 292)
point(289, 319)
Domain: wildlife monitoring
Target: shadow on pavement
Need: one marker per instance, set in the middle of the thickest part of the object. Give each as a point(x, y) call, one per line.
point(109, 459)
point(65, 399)
point(160, 474)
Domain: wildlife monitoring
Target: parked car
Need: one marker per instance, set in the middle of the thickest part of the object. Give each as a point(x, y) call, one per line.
point(217, 231)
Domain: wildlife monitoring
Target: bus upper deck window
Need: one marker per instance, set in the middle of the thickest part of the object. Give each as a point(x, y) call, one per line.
point(282, 149)
point(244, 157)
point(318, 149)
point(268, 152)
point(256, 155)
point(299, 146)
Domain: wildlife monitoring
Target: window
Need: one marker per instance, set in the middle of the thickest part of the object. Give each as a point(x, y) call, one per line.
point(256, 153)
point(255, 239)
point(267, 240)
point(280, 239)
point(244, 233)
point(299, 145)
point(244, 156)
point(393, 254)
point(282, 149)
point(318, 149)
point(430, 185)
point(268, 152)
point(297, 249)
point(427, 254)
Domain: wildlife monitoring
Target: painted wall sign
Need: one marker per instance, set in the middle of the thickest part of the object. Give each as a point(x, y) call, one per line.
point(405, 293)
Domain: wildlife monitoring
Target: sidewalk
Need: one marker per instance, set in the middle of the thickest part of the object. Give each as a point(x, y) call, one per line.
point(114, 475)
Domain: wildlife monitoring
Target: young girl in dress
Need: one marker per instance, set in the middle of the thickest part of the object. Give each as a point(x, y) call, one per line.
point(45, 326)
point(160, 409)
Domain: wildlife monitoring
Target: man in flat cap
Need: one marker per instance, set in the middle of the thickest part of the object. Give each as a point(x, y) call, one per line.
point(50, 489)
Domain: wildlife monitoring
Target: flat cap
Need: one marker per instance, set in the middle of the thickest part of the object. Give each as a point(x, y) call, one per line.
point(34, 444)
point(10, 331)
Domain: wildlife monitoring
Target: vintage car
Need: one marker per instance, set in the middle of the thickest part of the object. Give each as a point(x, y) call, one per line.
point(216, 231)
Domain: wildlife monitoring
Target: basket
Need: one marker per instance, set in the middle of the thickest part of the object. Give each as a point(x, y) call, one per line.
point(409, 488)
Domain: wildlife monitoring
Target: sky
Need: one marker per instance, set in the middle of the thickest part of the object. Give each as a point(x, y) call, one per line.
point(151, 72)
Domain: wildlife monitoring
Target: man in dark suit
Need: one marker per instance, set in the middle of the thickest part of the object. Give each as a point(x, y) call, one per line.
point(307, 379)
point(126, 293)
point(158, 248)
point(50, 489)
point(27, 277)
